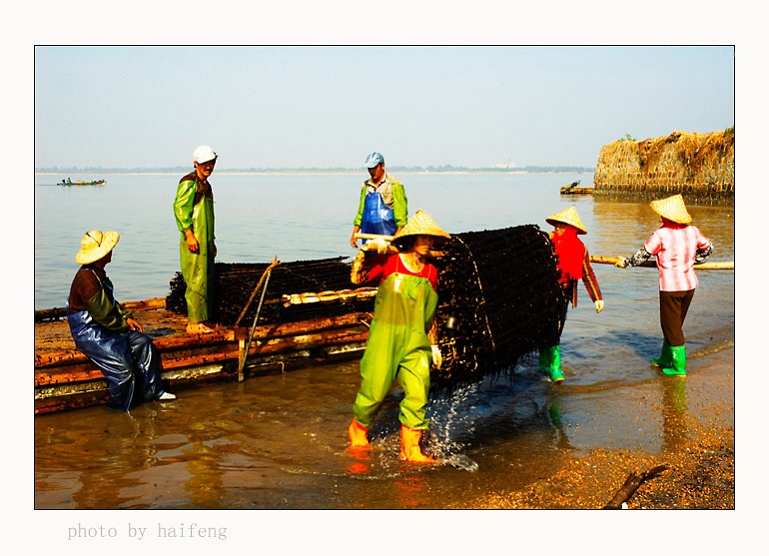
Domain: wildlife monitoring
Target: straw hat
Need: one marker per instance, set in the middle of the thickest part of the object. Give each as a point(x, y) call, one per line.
point(421, 225)
point(95, 245)
point(570, 217)
point(672, 208)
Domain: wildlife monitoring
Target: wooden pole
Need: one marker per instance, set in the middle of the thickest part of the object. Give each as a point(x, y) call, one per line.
point(61, 312)
point(65, 358)
point(634, 480)
point(275, 262)
point(719, 265)
point(373, 236)
point(194, 357)
point(266, 278)
point(433, 254)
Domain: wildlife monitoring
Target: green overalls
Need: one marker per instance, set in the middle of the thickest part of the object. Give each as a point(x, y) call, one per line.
point(398, 346)
point(197, 268)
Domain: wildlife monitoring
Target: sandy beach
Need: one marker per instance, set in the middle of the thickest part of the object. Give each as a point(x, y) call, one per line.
point(698, 452)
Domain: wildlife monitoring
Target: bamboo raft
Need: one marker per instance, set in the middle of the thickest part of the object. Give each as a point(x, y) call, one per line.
point(568, 190)
point(499, 302)
point(574, 189)
point(66, 379)
point(334, 327)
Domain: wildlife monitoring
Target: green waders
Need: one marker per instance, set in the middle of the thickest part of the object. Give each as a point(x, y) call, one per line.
point(398, 346)
point(198, 268)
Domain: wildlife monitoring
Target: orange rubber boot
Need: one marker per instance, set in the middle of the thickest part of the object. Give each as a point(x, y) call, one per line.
point(411, 452)
point(358, 436)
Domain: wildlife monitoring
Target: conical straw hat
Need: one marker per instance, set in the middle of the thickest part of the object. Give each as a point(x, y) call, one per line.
point(421, 224)
point(672, 208)
point(568, 216)
point(96, 244)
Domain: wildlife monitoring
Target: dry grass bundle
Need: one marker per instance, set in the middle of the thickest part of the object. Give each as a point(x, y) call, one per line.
point(694, 150)
point(620, 150)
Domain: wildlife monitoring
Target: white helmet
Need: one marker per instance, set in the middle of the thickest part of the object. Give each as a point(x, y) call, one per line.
point(203, 153)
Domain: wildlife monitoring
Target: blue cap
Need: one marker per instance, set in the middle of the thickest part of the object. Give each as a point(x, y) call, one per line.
point(374, 159)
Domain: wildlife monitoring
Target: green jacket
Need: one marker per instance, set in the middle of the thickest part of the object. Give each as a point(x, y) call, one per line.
point(194, 209)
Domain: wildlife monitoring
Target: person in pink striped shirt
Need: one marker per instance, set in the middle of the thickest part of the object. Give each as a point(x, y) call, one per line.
point(678, 246)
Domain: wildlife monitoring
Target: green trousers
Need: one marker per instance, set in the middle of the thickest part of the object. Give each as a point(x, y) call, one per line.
point(398, 347)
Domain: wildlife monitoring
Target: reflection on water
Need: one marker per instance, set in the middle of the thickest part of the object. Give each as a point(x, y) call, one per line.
point(280, 441)
point(674, 412)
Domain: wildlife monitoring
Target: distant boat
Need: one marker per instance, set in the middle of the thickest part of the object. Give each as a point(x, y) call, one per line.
point(574, 189)
point(68, 182)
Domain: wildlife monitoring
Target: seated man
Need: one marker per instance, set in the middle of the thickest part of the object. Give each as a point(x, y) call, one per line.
point(105, 332)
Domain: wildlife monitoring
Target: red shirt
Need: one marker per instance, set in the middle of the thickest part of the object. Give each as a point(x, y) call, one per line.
point(384, 265)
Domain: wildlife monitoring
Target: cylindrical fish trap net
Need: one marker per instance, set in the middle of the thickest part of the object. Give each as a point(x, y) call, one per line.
point(296, 291)
point(499, 301)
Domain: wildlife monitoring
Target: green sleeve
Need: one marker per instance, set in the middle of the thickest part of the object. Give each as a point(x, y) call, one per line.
point(184, 204)
point(400, 205)
point(361, 203)
point(104, 314)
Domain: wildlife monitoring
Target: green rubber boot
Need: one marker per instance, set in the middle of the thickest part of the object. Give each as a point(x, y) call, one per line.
point(678, 366)
point(665, 358)
point(550, 363)
point(556, 373)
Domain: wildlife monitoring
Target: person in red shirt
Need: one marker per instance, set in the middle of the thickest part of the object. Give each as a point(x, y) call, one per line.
point(573, 262)
point(678, 246)
point(402, 339)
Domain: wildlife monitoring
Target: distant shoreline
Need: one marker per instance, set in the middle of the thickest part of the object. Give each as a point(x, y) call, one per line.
point(306, 172)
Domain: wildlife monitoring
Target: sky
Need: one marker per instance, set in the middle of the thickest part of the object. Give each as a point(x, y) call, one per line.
point(329, 106)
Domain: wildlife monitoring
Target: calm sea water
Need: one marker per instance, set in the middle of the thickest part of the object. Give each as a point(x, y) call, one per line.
point(278, 442)
point(295, 217)
point(298, 217)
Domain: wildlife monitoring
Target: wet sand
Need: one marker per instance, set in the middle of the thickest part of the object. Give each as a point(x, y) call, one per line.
point(698, 451)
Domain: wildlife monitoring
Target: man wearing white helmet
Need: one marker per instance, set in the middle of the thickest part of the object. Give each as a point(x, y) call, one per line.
point(194, 213)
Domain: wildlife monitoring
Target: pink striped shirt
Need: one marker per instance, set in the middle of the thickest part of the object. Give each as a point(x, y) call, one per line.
point(675, 246)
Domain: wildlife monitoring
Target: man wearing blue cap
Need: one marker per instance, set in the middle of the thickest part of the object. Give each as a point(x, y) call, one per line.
point(383, 207)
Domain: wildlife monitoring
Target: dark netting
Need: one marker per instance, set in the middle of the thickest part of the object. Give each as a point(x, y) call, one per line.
point(235, 283)
point(499, 301)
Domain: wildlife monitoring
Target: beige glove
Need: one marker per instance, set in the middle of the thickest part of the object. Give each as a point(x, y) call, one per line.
point(622, 263)
point(378, 244)
point(598, 305)
point(437, 357)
